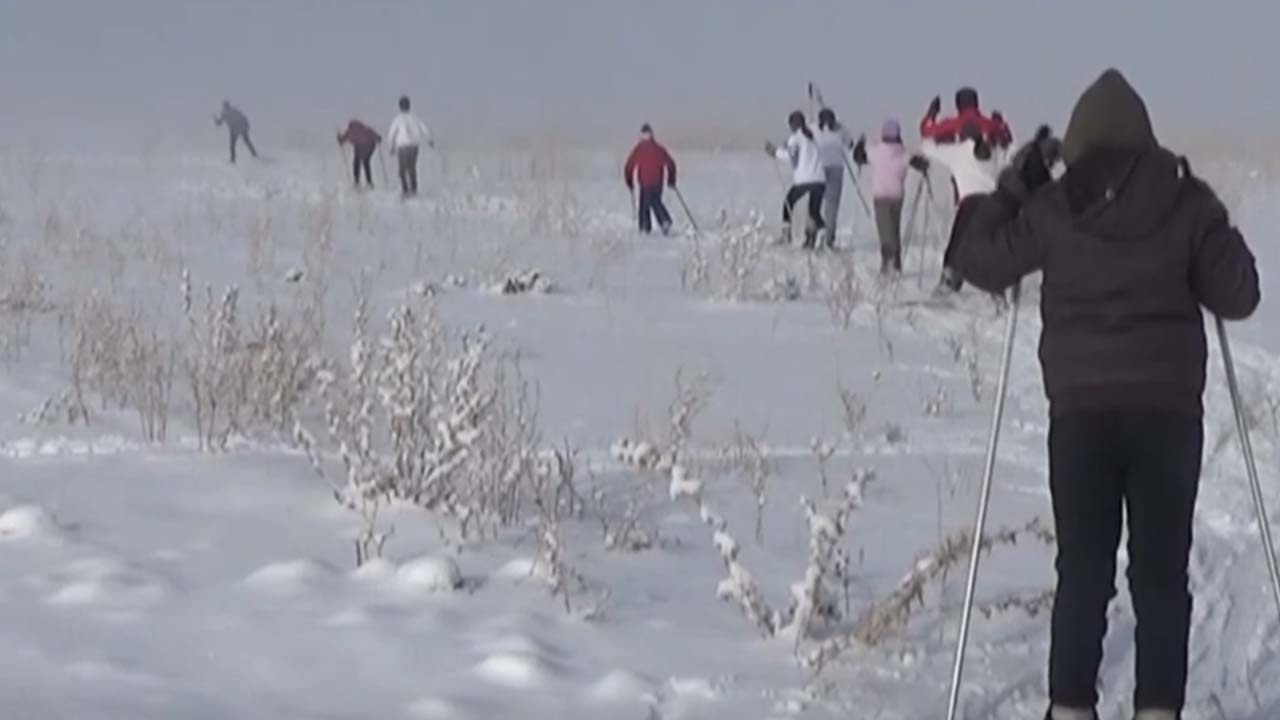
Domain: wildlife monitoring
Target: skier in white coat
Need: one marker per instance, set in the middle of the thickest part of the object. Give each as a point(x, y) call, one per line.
point(406, 135)
point(808, 178)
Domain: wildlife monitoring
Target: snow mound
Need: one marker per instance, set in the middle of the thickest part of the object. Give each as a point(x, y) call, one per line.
point(289, 577)
point(27, 521)
point(375, 570)
point(694, 688)
point(520, 569)
point(429, 574)
point(620, 686)
point(436, 709)
point(515, 670)
point(106, 583)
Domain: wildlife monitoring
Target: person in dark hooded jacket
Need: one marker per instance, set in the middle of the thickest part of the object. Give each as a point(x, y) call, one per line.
point(1132, 246)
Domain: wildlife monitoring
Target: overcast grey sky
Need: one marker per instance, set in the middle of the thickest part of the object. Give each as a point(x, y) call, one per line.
point(122, 71)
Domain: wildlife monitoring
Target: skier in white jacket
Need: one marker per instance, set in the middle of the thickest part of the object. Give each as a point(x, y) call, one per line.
point(808, 178)
point(975, 166)
point(407, 133)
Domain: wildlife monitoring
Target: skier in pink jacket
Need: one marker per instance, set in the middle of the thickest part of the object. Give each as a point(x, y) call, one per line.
point(889, 163)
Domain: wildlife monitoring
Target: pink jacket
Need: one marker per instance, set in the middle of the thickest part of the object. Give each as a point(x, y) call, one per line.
point(889, 162)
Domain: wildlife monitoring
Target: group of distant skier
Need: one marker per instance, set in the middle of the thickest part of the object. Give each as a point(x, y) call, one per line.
point(970, 145)
point(407, 135)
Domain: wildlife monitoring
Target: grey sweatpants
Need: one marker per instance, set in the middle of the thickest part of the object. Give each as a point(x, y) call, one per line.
point(831, 201)
point(889, 226)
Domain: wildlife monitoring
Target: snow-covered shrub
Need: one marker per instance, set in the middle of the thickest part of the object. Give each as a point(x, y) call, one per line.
point(843, 292)
point(24, 294)
point(740, 252)
point(785, 287)
point(429, 417)
point(747, 457)
point(812, 596)
point(883, 619)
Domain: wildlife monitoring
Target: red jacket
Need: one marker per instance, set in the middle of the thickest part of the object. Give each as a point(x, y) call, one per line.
point(360, 135)
point(995, 131)
point(646, 163)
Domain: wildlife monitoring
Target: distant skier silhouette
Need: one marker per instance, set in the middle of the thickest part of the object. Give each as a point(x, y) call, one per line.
point(238, 126)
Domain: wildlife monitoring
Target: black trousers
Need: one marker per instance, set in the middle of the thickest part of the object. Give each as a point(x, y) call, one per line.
point(964, 212)
point(362, 159)
point(1145, 466)
point(651, 207)
point(408, 161)
point(815, 191)
point(235, 136)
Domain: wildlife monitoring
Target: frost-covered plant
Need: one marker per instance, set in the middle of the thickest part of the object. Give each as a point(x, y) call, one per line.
point(853, 411)
point(812, 596)
point(695, 271)
point(555, 497)
point(822, 453)
point(740, 252)
point(421, 416)
point(843, 293)
point(747, 457)
point(691, 398)
point(883, 619)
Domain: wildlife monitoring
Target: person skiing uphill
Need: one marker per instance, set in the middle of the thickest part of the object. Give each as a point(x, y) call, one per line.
point(1132, 246)
point(646, 164)
point(364, 142)
point(993, 129)
point(808, 177)
point(406, 135)
point(833, 141)
point(889, 162)
point(238, 127)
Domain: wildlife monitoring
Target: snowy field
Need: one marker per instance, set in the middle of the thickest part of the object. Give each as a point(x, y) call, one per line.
point(654, 478)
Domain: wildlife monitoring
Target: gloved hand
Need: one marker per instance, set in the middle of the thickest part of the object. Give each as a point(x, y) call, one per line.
point(770, 148)
point(671, 183)
point(860, 151)
point(1031, 167)
point(919, 163)
point(339, 138)
point(935, 107)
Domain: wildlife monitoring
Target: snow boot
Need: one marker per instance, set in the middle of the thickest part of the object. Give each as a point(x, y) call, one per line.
point(666, 229)
point(1156, 715)
point(1064, 713)
point(949, 284)
point(810, 239)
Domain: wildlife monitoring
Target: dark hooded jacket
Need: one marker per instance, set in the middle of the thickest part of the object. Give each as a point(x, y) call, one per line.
point(1132, 246)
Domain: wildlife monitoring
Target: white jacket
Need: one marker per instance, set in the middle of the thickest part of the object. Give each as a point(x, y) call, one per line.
point(971, 175)
point(832, 145)
point(408, 131)
point(806, 161)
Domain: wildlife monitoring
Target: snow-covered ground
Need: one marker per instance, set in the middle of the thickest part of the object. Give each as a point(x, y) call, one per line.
point(146, 578)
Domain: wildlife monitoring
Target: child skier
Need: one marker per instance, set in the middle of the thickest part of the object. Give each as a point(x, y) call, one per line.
point(364, 142)
point(1132, 246)
point(808, 177)
point(833, 141)
point(646, 165)
point(889, 162)
point(407, 133)
point(238, 127)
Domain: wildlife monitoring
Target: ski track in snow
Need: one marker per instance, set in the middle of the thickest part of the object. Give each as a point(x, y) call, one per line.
point(186, 575)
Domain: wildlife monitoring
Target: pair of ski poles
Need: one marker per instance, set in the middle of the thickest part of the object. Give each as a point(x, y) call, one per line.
point(635, 208)
point(975, 554)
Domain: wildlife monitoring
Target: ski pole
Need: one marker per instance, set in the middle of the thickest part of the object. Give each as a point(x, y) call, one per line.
point(911, 217)
point(692, 223)
point(856, 186)
point(382, 165)
point(1251, 466)
point(984, 500)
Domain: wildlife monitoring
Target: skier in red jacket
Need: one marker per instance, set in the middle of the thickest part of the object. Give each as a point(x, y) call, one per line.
point(994, 129)
point(364, 140)
point(646, 165)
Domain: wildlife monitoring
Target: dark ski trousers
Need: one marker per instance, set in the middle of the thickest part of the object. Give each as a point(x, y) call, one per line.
point(408, 160)
point(815, 191)
point(889, 227)
point(964, 212)
point(651, 208)
point(1144, 465)
point(362, 160)
point(235, 136)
